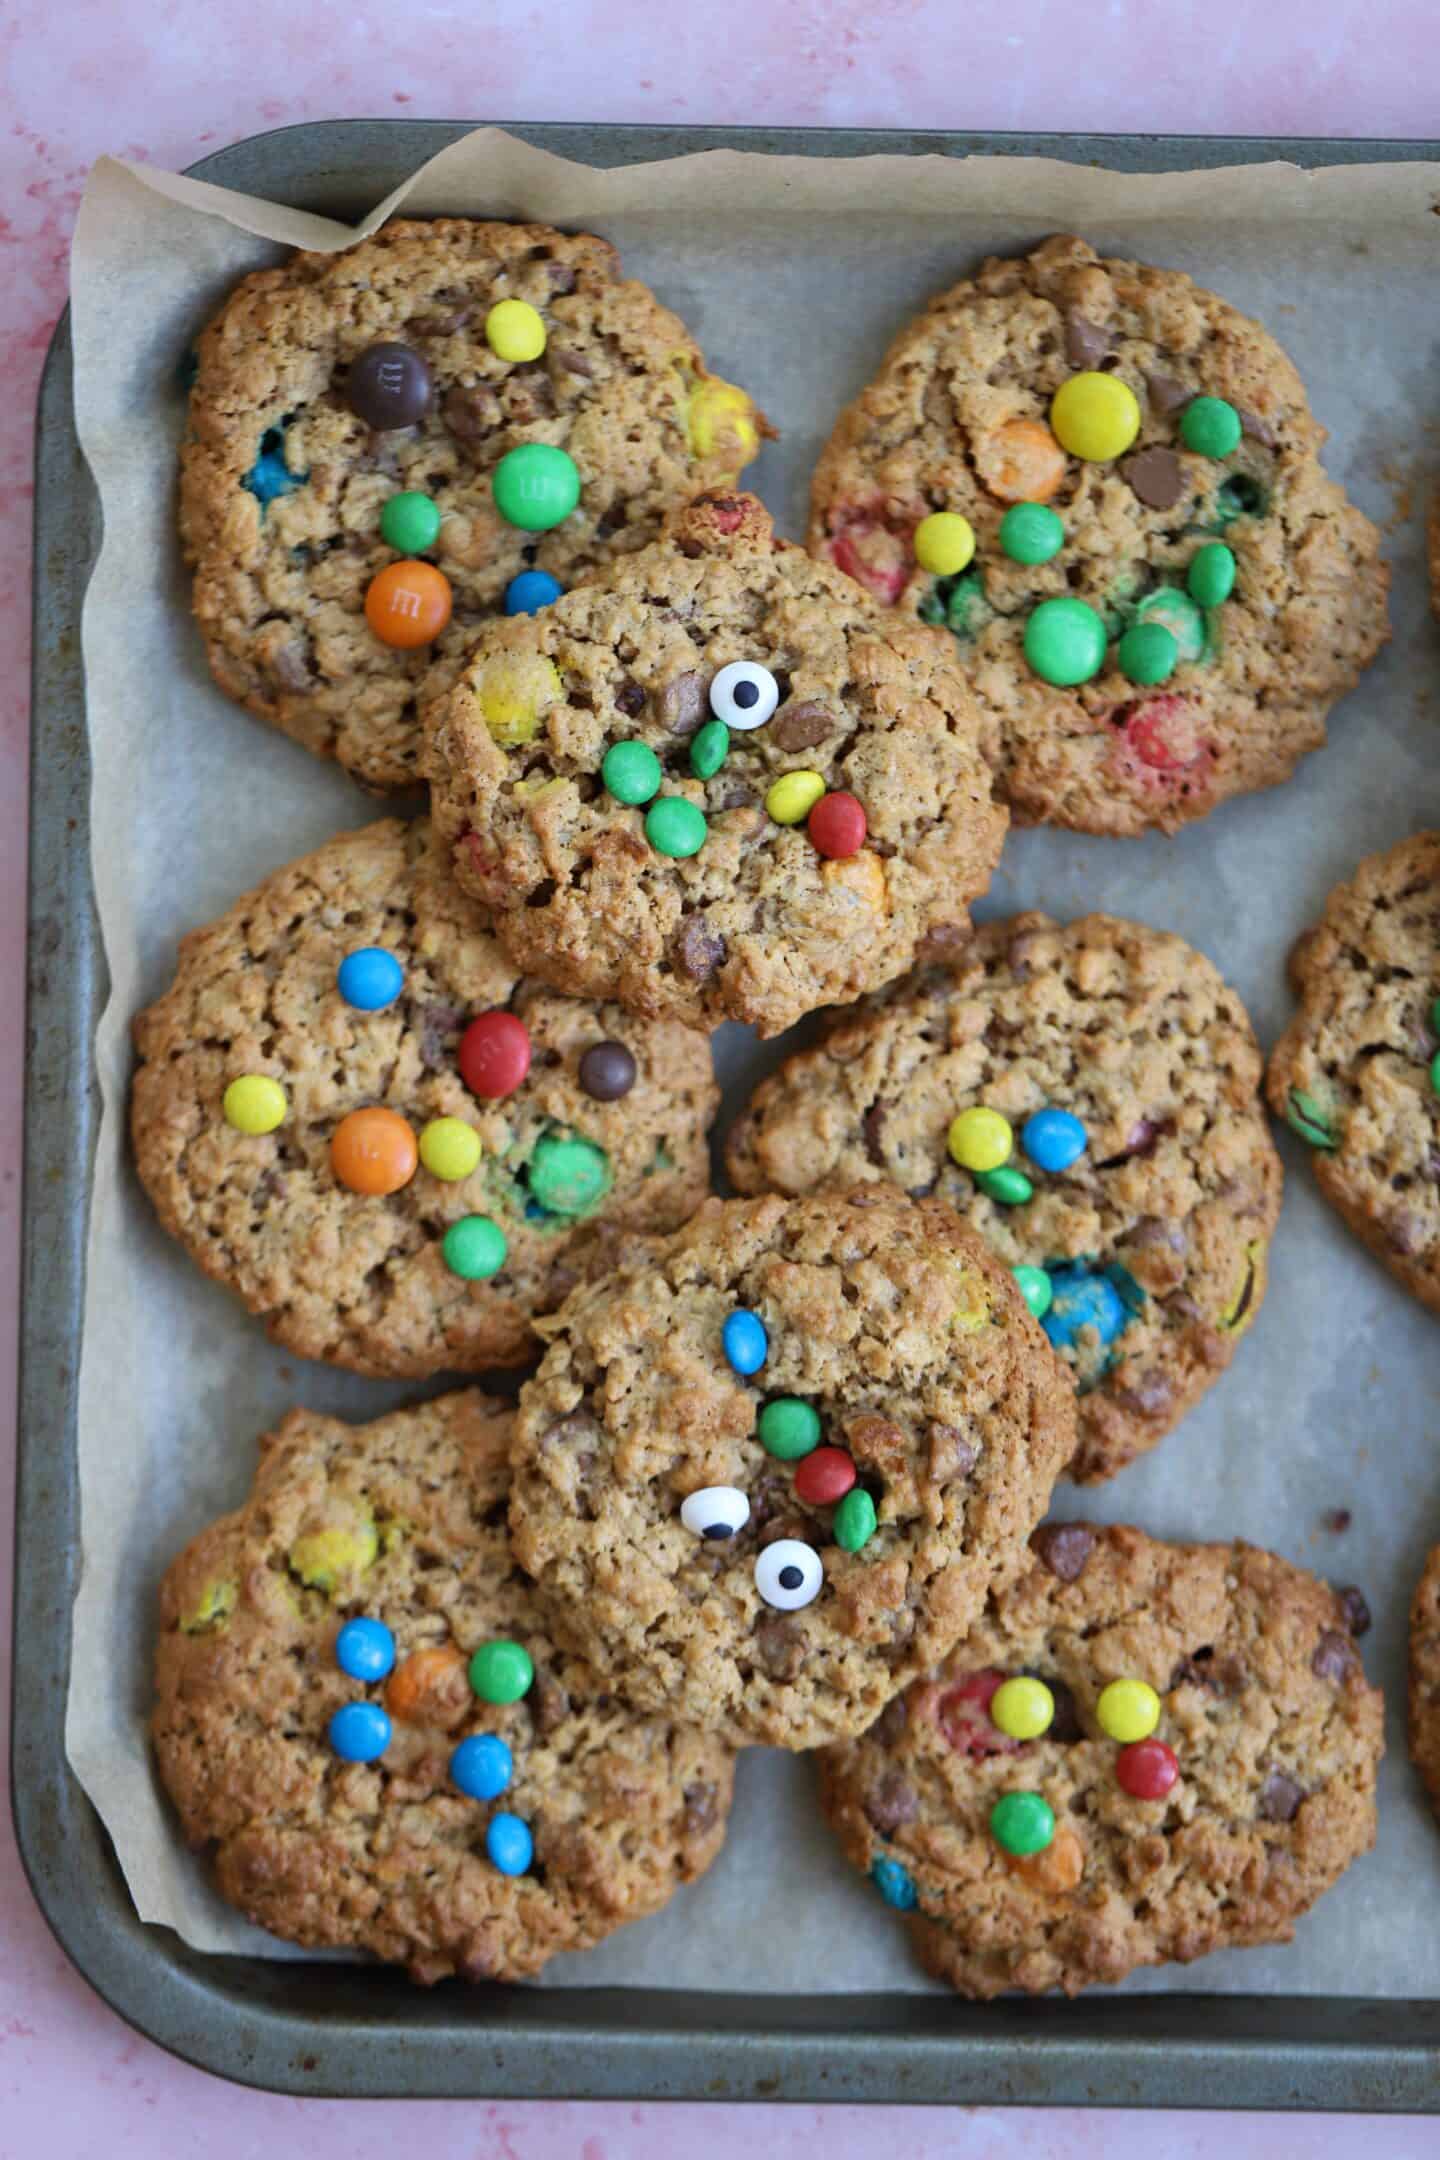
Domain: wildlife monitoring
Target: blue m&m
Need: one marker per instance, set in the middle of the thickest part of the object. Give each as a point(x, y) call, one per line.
point(894, 1883)
point(745, 1341)
point(365, 1649)
point(482, 1767)
point(359, 1732)
point(1053, 1139)
point(530, 591)
point(370, 978)
point(1080, 1299)
point(509, 1844)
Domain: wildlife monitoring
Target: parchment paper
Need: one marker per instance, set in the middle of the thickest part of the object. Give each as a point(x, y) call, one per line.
point(794, 274)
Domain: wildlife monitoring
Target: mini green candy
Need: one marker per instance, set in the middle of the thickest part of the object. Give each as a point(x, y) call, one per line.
point(710, 749)
point(789, 1428)
point(501, 1671)
point(853, 1523)
point(1036, 1289)
point(1148, 653)
point(1210, 426)
point(1008, 1185)
point(1210, 580)
point(631, 771)
point(1065, 642)
point(410, 523)
point(567, 1177)
point(1176, 612)
point(674, 826)
point(1305, 1116)
point(474, 1248)
point(1031, 533)
point(1022, 1822)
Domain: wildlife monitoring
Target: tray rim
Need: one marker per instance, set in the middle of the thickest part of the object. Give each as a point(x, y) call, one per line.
point(354, 2031)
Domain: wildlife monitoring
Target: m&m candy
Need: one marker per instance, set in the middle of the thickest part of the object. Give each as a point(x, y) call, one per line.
point(482, 1766)
point(1128, 1710)
point(1147, 1769)
point(674, 826)
point(429, 1688)
point(373, 1152)
point(944, 543)
point(853, 1524)
point(1053, 1139)
point(410, 522)
point(1036, 1288)
point(1082, 1301)
point(254, 1103)
point(531, 590)
point(1022, 1708)
point(607, 1071)
point(631, 772)
point(566, 1176)
point(408, 604)
point(791, 798)
point(1009, 1186)
point(449, 1149)
point(709, 748)
point(389, 385)
point(474, 1248)
point(980, 1139)
point(370, 978)
point(894, 1883)
point(837, 826)
point(1210, 426)
point(824, 1477)
point(1065, 642)
point(501, 1671)
point(515, 331)
point(535, 486)
point(494, 1055)
point(1210, 579)
point(1020, 461)
point(365, 1649)
point(1095, 416)
point(359, 1732)
point(1031, 533)
point(1022, 1822)
point(509, 1844)
point(789, 1428)
point(744, 1341)
point(1147, 653)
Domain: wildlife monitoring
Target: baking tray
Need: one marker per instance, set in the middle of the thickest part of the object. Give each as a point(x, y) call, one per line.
point(363, 2032)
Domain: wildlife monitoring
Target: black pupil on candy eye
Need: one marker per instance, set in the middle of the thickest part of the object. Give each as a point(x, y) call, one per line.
point(791, 1578)
point(717, 1530)
point(746, 693)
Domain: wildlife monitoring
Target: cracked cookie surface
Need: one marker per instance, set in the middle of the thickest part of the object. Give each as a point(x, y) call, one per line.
point(403, 1521)
point(957, 420)
point(1263, 1700)
point(1173, 1201)
point(282, 485)
point(358, 1280)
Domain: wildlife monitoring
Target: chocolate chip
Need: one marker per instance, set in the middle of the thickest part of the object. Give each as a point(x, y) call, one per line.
point(290, 666)
point(1064, 1548)
point(571, 361)
point(892, 1803)
point(699, 1807)
point(1336, 1520)
point(878, 1444)
point(389, 386)
point(1155, 476)
point(1166, 395)
point(528, 395)
point(1182, 1306)
point(1334, 1657)
point(1151, 1395)
point(779, 1645)
point(1354, 1609)
point(1065, 1727)
point(1153, 1234)
point(889, 1728)
point(873, 1125)
point(1196, 1671)
point(549, 1702)
point(440, 1025)
point(1086, 342)
point(444, 325)
point(1280, 1798)
point(471, 412)
point(800, 727)
point(269, 1186)
point(607, 1071)
point(630, 699)
point(942, 945)
point(698, 950)
point(683, 704)
point(1257, 429)
point(952, 1455)
point(561, 276)
point(736, 798)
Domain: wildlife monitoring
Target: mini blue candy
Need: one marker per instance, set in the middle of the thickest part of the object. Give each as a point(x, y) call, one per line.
point(482, 1767)
point(745, 1341)
point(270, 476)
point(894, 1883)
point(360, 1731)
point(365, 1649)
point(370, 978)
point(509, 1844)
point(1083, 1300)
point(1053, 1139)
point(530, 591)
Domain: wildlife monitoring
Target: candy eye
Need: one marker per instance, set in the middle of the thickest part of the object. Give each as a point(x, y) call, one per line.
point(788, 1574)
point(716, 1511)
point(744, 694)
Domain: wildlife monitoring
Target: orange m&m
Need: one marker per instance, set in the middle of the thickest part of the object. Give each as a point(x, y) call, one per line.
point(408, 603)
point(431, 1687)
point(373, 1151)
point(1020, 462)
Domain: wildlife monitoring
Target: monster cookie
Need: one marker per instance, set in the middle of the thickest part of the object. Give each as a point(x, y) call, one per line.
point(1357, 1072)
point(1141, 1753)
point(350, 1110)
point(361, 1718)
point(768, 1474)
point(390, 445)
point(1087, 1097)
point(717, 783)
point(1106, 483)
point(1425, 1677)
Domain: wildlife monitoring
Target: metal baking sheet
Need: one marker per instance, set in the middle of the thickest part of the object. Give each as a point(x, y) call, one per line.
point(357, 2031)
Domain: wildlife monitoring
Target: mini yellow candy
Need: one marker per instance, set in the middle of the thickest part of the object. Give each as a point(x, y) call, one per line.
point(322, 1556)
point(944, 543)
point(720, 423)
point(449, 1148)
point(1022, 1708)
point(253, 1104)
point(211, 1609)
point(794, 796)
point(1095, 416)
point(513, 691)
point(1128, 1710)
point(515, 331)
point(980, 1139)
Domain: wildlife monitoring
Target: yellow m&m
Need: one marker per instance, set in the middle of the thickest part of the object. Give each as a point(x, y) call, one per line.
point(980, 1139)
point(944, 543)
point(253, 1104)
point(1095, 416)
point(1128, 1710)
point(449, 1148)
point(794, 796)
point(1022, 1708)
point(515, 331)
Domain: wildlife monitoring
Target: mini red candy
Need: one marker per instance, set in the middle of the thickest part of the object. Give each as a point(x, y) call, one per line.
point(963, 1715)
point(494, 1055)
point(824, 1476)
point(1146, 1769)
point(837, 826)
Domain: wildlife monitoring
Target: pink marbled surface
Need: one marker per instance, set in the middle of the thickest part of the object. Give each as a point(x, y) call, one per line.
point(168, 79)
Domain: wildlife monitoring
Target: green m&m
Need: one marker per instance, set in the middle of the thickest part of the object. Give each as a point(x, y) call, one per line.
point(1210, 579)
point(1065, 642)
point(567, 1177)
point(631, 771)
point(1176, 612)
point(1210, 426)
point(1031, 533)
point(674, 826)
point(709, 749)
point(853, 1524)
point(1036, 1288)
point(535, 486)
point(410, 522)
point(1147, 653)
point(789, 1428)
point(474, 1248)
point(1008, 1185)
point(501, 1671)
point(1022, 1822)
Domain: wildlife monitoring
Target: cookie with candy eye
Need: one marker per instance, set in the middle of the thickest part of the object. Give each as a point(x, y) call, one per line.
point(1158, 593)
point(1087, 1096)
point(767, 1530)
point(352, 1110)
point(1139, 1753)
point(390, 445)
point(718, 782)
point(360, 1715)
point(1356, 1075)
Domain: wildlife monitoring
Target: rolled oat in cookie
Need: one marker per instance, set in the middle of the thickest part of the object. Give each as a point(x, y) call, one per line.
point(1161, 593)
point(380, 383)
point(1167, 1750)
point(1146, 1248)
point(768, 1472)
point(719, 782)
point(1357, 1073)
point(361, 1719)
point(351, 1110)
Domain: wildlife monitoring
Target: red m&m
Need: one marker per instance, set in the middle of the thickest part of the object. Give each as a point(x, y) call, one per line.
point(494, 1055)
point(1146, 1769)
point(824, 1477)
point(837, 826)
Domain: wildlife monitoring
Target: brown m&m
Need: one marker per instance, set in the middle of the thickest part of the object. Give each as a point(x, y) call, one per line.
point(389, 386)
